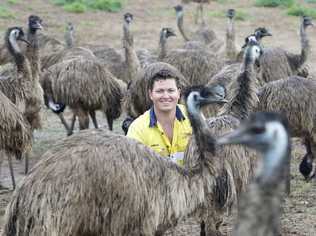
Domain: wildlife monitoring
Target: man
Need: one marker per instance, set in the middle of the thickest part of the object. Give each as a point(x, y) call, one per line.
point(165, 127)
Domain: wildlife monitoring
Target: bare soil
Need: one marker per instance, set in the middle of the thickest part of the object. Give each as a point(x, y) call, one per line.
point(299, 216)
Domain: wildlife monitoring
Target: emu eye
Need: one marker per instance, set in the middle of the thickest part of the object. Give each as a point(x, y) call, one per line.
point(258, 129)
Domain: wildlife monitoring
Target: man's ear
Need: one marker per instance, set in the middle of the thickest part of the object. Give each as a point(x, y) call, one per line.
point(150, 94)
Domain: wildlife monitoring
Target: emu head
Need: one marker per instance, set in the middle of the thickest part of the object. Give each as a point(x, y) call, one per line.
point(35, 23)
point(15, 34)
point(167, 32)
point(199, 96)
point(178, 8)
point(128, 17)
point(126, 123)
point(261, 32)
point(306, 166)
point(231, 13)
point(307, 21)
point(55, 107)
point(268, 133)
point(70, 27)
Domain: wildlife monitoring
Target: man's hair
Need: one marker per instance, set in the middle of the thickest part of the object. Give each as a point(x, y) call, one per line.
point(162, 75)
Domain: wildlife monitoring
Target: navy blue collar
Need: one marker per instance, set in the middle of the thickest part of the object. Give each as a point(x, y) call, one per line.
point(153, 118)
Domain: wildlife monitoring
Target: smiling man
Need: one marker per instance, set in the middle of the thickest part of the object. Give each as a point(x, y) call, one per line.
point(165, 127)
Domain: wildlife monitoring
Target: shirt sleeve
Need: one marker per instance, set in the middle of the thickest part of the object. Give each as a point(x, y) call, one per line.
point(135, 132)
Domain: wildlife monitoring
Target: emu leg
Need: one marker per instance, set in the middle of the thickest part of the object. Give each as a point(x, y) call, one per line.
point(203, 232)
point(287, 175)
point(26, 160)
point(63, 121)
point(94, 119)
point(110, 122)
point(313, 152)
point(11, 170)
point(72, 125)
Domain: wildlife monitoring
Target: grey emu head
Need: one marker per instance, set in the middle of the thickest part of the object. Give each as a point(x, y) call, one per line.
point(231, 13)
point(261, 32)
point(70, 27)
point(257, 35)
point(167, 32)
point(16, 33)
point(35, 23)
point(199, 96)
point(306, 166)
point(266, 132)
point(178, 8)
point(128, 17)
point(307, 21)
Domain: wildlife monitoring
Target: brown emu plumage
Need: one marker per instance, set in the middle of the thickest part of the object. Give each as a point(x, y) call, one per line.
point(84, 85)
point(53, 58)
point(224, 78)
point(295, 98)
point(195, 65)
point(15, 132)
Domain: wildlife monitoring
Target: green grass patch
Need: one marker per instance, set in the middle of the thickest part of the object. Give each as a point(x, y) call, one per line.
point(106, 5)
point(300, 10)
point(75, 7)
point(6, 13)
point(240, 15)
point(79, 6)
point(274, 3)
point(13, 1)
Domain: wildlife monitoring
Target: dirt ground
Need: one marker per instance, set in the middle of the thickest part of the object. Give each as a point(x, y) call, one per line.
point(299, 216)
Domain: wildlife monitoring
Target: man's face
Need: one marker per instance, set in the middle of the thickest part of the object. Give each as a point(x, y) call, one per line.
point(165, 95)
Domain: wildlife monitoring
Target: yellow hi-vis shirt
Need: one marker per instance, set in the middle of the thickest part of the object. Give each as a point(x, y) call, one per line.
point(147, 130)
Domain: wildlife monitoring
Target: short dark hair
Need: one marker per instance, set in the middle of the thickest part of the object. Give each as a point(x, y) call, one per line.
point(162, 75)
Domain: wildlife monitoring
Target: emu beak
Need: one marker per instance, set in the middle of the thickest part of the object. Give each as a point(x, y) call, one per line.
point(25, 41)
point(223, 101)
point(172, 34)
point(235, 137)
point(39, 26)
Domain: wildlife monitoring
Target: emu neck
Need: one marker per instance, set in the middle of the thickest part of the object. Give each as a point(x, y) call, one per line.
point(15, 51)
point(305, 46)
point(244, 97)
point(32, 53)
point(204, 139)
point(131, 59)
point(231, 50)
point(180, 26)
point(259, 211)
point(69, 39)
point(162, 47)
